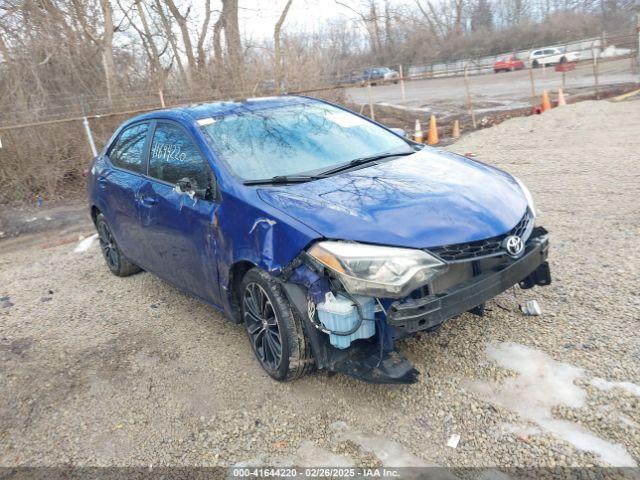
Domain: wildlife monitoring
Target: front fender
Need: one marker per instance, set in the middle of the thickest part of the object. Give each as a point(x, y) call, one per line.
point(264, 237)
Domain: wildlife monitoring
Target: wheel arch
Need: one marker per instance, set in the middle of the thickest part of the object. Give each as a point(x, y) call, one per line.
point(237, 272)
point(95, 211)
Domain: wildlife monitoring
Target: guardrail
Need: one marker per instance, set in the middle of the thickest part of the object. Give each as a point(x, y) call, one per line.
point(588, 47)
point(74, 107)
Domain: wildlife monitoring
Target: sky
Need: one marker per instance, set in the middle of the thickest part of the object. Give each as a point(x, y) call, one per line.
point(258, 17)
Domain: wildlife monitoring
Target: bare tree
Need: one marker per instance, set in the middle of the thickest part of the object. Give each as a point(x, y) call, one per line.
point(276, 47)
point(232, 40)
point(368, 16)
point(196, 55)
point(173, 42)
point(217, 43)
point(104, 42)
point(201, 59)
point(181, 20)
point(148, 40)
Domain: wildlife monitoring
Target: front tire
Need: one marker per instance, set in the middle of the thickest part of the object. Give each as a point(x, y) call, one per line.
point(535, 64)
point(274, 330)
point(116, 262)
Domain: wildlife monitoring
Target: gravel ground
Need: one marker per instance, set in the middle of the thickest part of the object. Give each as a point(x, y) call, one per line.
point(98, 370)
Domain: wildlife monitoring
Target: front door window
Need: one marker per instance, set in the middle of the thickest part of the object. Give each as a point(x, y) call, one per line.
point(174, 157)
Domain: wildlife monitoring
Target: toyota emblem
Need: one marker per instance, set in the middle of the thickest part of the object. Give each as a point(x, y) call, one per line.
point(514, 245)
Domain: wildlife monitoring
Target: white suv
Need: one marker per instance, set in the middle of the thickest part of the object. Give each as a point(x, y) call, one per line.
point(552, 56)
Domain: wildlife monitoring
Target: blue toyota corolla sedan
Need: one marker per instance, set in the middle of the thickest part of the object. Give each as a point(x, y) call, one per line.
point(327, 235)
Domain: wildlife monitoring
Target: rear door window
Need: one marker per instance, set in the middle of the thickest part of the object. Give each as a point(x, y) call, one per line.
point(174, 156)
point(128, 151)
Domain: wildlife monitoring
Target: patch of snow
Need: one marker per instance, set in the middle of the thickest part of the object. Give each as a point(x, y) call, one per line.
point(543, 383)
point(605, 385)
point(627, 422)
point(404, 107)
point(520, 429)
point(613, 415)
point(310, 455)
point(613, 51)
point(85, 244)
point(390, 453)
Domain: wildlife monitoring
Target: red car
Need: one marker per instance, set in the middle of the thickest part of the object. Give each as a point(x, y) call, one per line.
point(508, 63)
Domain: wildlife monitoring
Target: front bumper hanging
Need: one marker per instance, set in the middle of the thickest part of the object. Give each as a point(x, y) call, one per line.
point(412, 315)
point(366, 361)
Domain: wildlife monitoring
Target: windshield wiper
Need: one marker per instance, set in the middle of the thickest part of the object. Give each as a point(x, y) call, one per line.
point(362, 161)
point(283, 179)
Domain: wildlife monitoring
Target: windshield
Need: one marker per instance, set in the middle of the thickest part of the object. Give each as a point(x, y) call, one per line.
point(296, 139)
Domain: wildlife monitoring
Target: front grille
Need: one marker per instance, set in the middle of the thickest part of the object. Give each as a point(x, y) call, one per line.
point(481, 248)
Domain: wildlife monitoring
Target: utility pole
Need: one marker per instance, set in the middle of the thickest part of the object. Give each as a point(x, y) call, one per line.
point(87, 130)
point(638, 33)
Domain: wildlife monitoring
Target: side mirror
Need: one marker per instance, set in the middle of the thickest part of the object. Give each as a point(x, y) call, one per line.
point(399, 131)
point(184, 185)
point(190, 187)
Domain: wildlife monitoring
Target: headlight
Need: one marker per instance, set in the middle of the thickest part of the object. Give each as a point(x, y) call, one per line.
point(527, 195)
point(377, 271)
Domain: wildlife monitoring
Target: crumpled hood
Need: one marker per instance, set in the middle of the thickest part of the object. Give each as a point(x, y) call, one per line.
point(427, 199)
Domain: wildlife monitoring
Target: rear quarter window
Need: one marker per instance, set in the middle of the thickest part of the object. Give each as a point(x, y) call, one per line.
point(128, 151)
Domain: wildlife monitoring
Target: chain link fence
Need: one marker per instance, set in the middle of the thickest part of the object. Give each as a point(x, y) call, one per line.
point(45, 147)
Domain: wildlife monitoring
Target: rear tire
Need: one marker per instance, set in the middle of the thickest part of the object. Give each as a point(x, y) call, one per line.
point(116, 262)
point(535, 64)
point(274, 329)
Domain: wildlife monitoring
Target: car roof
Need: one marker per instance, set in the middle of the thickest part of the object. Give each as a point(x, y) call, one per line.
point(199, 111)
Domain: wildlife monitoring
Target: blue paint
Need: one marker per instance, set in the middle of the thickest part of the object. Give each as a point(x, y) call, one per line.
point(425, 199)
point(316, 286)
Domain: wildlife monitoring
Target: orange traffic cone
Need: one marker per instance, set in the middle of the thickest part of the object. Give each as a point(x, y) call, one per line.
point(418, 136)
point(432, 137)
point(561, 101)
point(546, 104)
point(455, 131)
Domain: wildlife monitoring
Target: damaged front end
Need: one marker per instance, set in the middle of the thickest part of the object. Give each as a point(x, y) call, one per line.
point(360, 344)
point(356, 299)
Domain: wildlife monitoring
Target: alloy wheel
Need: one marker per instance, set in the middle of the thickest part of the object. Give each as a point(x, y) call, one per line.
point(108, 246)
point(262, 326)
